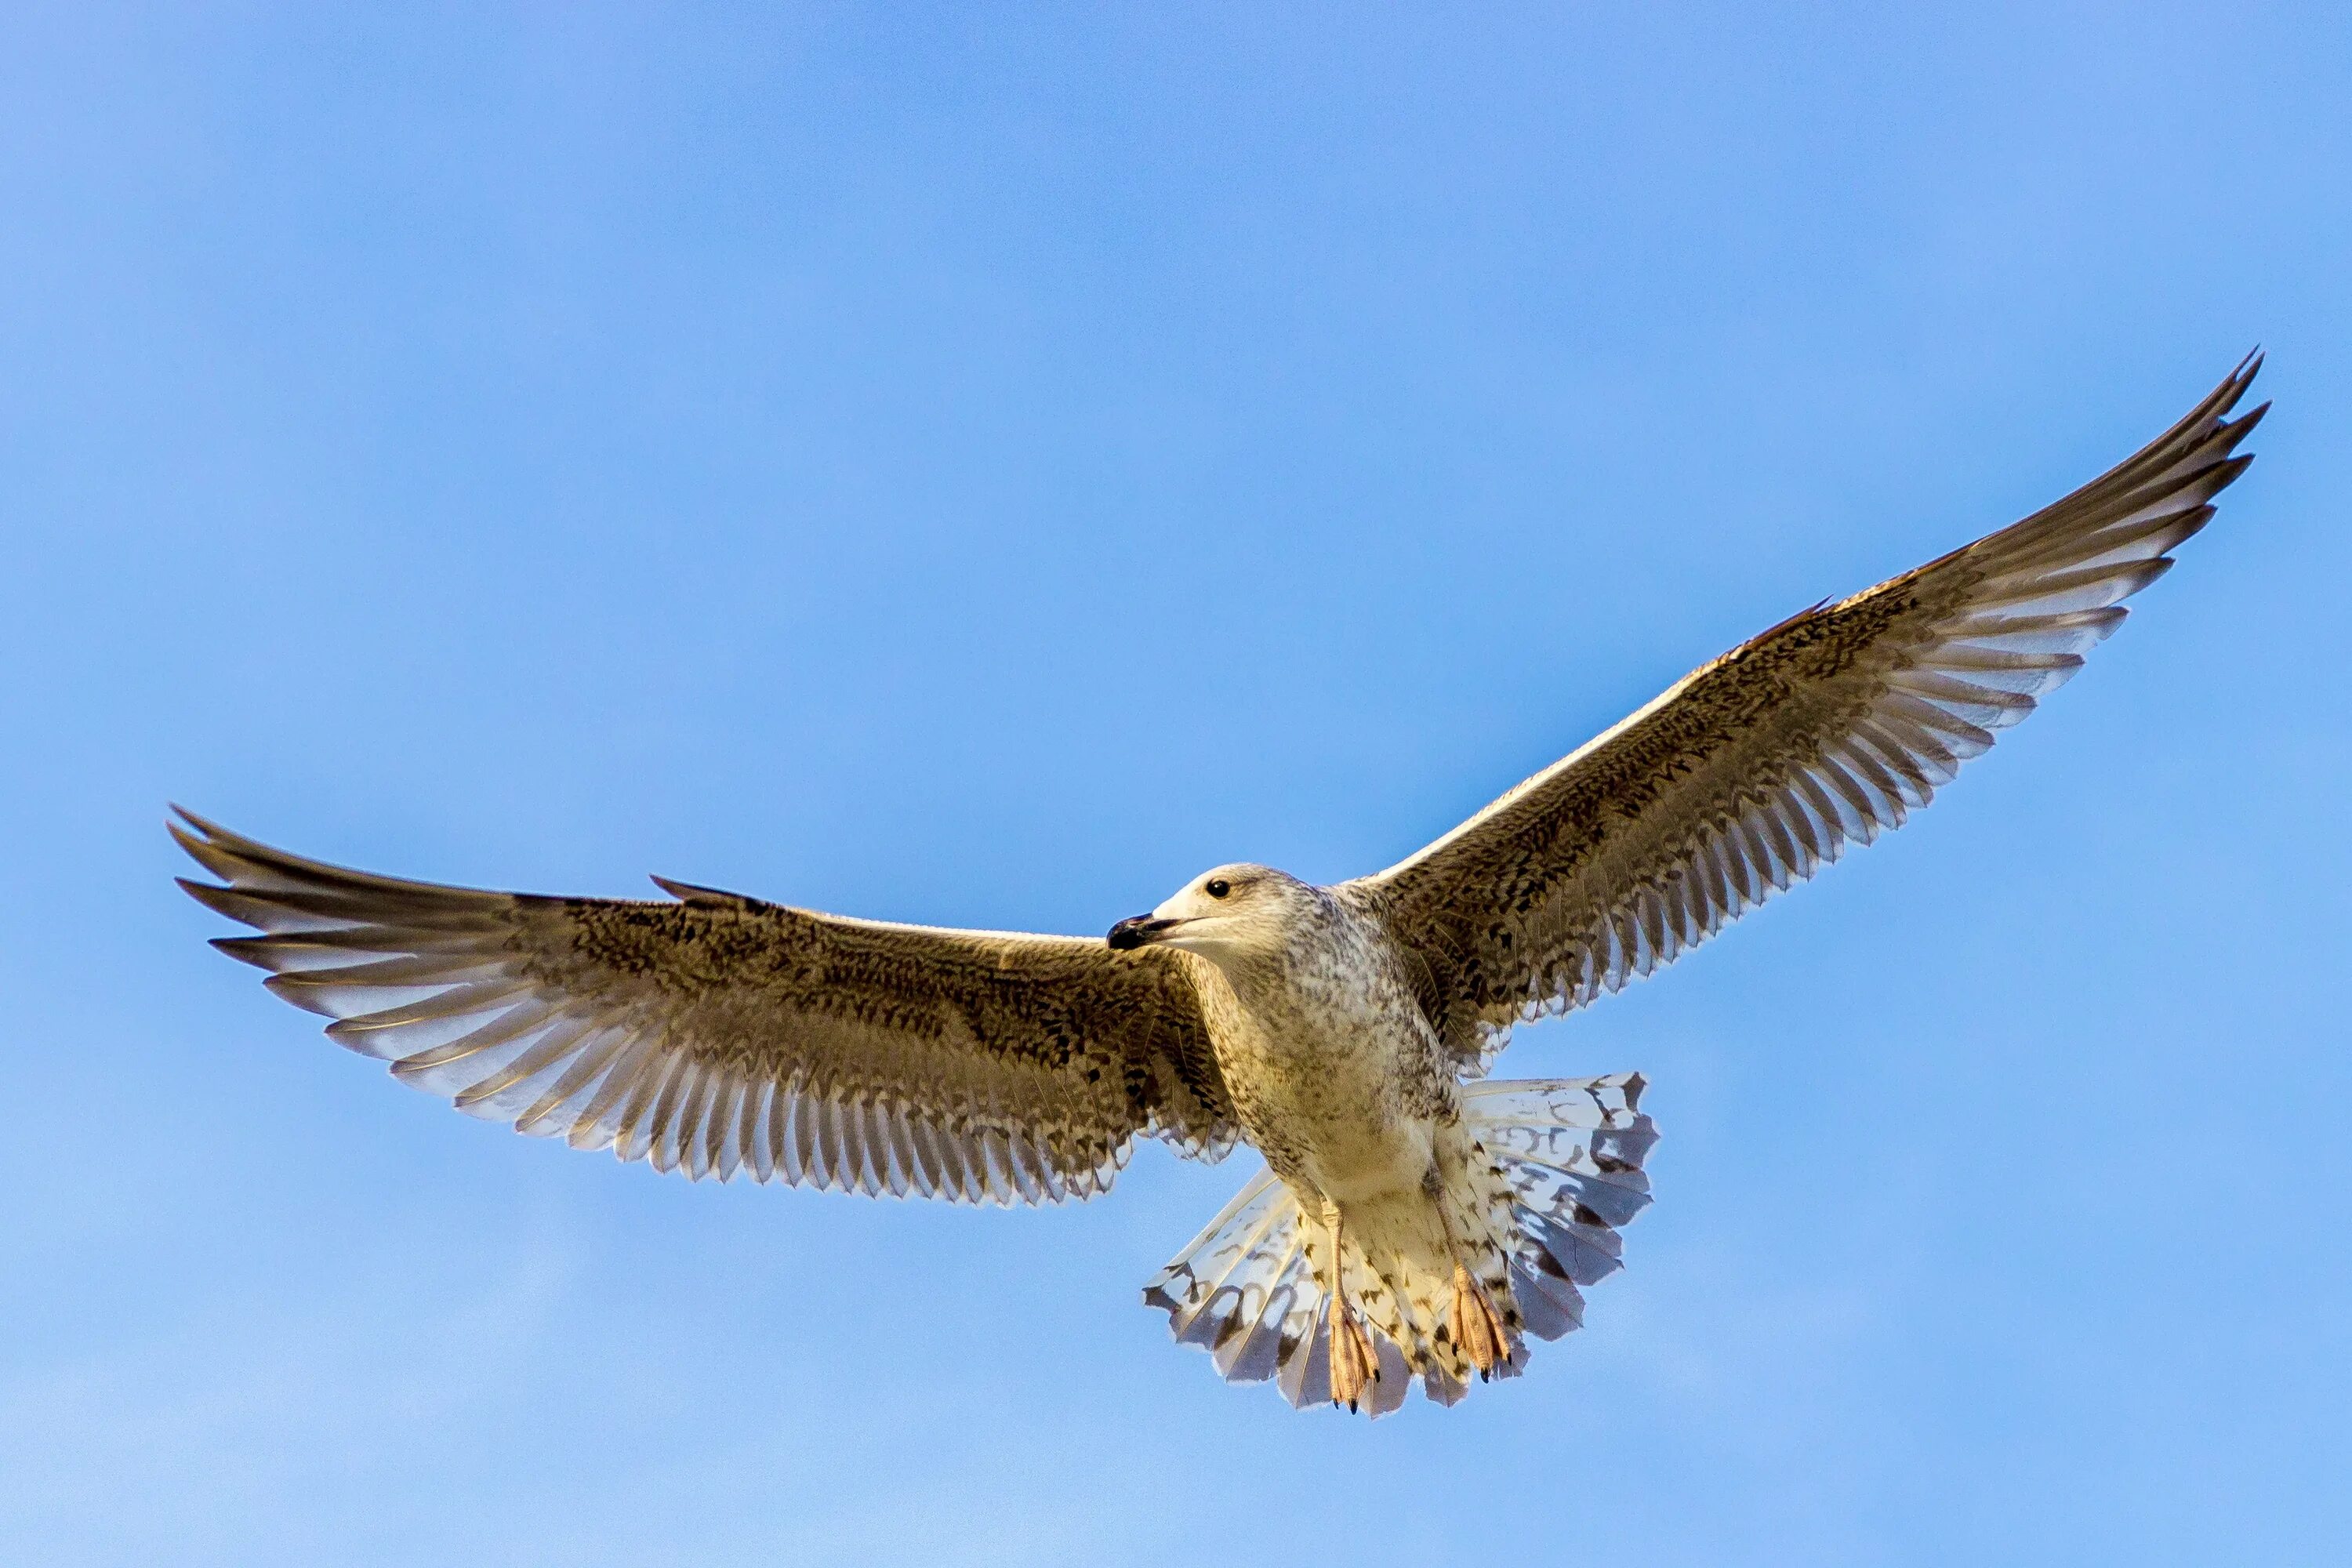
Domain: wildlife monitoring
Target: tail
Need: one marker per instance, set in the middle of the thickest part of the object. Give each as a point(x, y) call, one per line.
point(1569, 1154)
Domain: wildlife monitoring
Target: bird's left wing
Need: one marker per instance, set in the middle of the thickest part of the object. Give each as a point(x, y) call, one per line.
point(1753, 771)
point(719, 1034)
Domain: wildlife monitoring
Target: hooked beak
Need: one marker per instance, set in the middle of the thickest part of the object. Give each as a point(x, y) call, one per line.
point(1138, 931)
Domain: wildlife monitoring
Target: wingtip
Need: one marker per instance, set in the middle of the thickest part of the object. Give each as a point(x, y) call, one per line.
point(692, 893)
point(208, 828)
point(252, 949)
point(214, 897)
point(2214, 413)
point(2233, 386)
point(197, 834)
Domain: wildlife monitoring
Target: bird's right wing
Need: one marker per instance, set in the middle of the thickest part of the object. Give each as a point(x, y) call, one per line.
point(719, 1033)
point(1753, 771)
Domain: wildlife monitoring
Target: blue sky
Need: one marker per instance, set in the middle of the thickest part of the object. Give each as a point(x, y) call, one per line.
point(982, 466)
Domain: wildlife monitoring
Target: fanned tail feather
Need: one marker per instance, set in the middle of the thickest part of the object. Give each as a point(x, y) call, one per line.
point(1571, 1151)
point(1245, 1291)
point(1566, 1154)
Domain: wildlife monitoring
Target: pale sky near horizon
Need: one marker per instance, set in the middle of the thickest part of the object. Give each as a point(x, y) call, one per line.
point(983, 466)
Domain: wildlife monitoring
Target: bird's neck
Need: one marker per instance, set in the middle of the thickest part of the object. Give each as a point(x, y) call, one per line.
point(1276, 979)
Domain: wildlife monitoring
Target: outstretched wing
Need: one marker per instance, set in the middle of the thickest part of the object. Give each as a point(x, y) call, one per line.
point(721, 1034)
point(1751, 771)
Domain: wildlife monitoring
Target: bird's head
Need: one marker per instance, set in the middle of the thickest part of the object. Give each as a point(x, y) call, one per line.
point(1231, 913)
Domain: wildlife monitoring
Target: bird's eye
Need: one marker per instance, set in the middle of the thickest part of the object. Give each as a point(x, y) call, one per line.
point(1216, 886)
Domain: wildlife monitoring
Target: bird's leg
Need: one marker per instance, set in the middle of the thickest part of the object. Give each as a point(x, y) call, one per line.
point(1477, 1327)
point(1354, 1366)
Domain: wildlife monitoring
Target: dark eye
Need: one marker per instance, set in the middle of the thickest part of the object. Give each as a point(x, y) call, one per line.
point(1216, 886)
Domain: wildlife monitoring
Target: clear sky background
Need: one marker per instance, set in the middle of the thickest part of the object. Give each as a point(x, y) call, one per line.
point(984, 465)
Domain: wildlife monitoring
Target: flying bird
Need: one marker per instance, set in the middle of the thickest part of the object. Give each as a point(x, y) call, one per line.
point(1413, 1219)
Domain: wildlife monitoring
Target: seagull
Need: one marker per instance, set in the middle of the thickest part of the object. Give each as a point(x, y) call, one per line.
point(1413, 1219)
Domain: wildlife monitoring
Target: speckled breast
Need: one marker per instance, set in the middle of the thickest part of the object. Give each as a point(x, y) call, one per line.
point(1336, 1076)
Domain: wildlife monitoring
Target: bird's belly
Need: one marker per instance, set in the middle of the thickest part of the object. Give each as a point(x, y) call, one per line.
point(1349, 1112)
point(1356, 1161)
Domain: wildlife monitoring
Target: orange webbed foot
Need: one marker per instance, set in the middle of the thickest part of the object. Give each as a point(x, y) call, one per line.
point(1477, 1325)
point(1354, 1367)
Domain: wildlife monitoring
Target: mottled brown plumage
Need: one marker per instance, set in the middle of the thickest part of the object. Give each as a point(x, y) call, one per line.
point(721, 1032)
point(1429, 1224)
point(1755, 769)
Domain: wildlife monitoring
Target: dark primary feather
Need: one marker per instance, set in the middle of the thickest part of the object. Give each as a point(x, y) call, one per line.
point(722, 1034)
point(1753, 771)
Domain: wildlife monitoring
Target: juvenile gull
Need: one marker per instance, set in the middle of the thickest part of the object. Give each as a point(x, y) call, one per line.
point(1410, 1221)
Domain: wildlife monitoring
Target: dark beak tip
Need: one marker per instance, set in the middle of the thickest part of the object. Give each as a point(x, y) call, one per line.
point(1134, 931)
